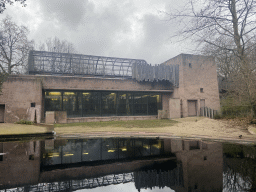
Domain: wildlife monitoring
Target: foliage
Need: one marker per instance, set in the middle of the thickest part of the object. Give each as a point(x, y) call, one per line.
point(4, 2)
point(22, 121)
point(125, 124)
point(14, 46)
point(231, 108)
point(217, 116)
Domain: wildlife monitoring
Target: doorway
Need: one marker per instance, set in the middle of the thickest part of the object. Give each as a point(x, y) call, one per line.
point(192, 108)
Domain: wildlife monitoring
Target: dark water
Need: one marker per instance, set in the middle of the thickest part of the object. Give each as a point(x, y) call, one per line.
point(126, 164)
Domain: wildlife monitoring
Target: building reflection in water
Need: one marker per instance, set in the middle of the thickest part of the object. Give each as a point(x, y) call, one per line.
point(70, 164)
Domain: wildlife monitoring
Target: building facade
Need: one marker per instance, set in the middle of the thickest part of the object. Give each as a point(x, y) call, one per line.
point(92, 88)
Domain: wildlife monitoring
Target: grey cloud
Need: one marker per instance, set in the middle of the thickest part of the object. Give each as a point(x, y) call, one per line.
point(100, 31)
point(68, 12)
point(106, 31)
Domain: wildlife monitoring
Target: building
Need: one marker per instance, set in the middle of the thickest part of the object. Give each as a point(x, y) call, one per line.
point(94, 88)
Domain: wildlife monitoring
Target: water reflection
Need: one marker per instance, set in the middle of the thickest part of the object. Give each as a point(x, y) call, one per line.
point(84, 150)
point(155, 164)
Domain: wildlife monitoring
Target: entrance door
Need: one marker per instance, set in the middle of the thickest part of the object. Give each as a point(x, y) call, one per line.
point(192, 108)
point(202, 105)
point(2, 107)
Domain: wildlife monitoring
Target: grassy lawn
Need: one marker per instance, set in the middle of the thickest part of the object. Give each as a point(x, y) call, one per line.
point(13, 129)
point(115, 126)
point(123, 124)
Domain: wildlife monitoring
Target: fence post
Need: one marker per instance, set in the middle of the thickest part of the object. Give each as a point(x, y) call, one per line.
point(203, 111)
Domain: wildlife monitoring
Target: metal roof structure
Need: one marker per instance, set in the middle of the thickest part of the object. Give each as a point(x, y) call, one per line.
point(42, 62)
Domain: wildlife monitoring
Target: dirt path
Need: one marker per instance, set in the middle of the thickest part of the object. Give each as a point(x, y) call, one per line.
point(186, 127)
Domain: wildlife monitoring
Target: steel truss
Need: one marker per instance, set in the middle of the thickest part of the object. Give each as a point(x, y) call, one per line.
point(73, 185)
point(65, 63)
point(42, 62)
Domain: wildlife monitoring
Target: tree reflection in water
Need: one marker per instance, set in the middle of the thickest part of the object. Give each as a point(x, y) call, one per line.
point(239, 168)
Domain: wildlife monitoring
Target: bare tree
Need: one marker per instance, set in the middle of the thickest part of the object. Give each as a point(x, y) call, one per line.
point(57, 45)
point(227, 28)
point(14, 46)
point(3, 4)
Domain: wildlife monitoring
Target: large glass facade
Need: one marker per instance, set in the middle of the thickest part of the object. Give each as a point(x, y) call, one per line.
point(103, 103)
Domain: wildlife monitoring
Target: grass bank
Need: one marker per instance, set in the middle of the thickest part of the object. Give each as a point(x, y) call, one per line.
point(16, 129)
point(123, 124)
point(115, 126)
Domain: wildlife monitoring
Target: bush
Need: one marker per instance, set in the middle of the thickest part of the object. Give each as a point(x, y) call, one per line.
point(217, 116)
point(235, 111)
point(22, 121)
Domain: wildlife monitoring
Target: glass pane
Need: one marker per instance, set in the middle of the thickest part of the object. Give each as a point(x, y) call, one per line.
point(71, 152)
point(153, 102)
point(91, 104)
point(53, 101)
point(91, 150)
point(109, 149)
point(140, 104)
point(108, 104)
point(124, 104)
point(72, 103)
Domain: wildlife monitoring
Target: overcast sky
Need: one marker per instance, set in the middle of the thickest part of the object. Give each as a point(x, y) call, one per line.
point(127, 29)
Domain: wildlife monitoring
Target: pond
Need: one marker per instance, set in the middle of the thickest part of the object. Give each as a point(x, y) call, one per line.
point(126, 164)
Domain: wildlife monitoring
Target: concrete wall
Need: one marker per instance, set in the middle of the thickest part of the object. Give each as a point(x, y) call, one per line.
point(20, 165)
point(18, 92)
point(174, 106)
point(93, 83)
point(202, 164)
point(196, 72)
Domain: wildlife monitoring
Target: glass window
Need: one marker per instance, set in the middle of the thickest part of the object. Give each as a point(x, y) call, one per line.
point(154, 104)
point(108, 104)
point(96, 103)
point(53, 101)
point(91, 103)
point(91, 149)
point(109, 149)
point(140, 104)
point(72, 103)
point(125, 104)
point(71, 152)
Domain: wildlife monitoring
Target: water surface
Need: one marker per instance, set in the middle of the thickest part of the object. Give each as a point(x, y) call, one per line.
point(126, 164)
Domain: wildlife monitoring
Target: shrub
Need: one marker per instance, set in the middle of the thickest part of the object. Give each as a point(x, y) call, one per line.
point(217, 116)
point(22, 121)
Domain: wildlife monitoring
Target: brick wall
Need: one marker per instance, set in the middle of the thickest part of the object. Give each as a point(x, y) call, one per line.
point(19, 91)
point(196, 72)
